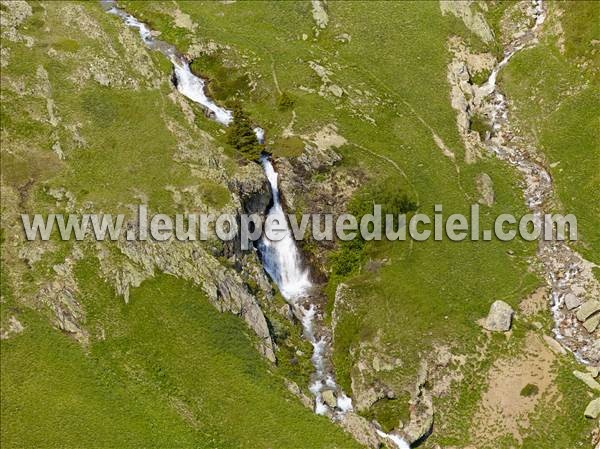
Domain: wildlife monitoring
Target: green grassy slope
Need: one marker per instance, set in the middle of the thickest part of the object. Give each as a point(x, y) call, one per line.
point(194, 372)
point(170, 372)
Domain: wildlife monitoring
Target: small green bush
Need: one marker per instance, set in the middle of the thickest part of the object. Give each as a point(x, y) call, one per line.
point(285, 102)
point(480, 124)
point(530, 390)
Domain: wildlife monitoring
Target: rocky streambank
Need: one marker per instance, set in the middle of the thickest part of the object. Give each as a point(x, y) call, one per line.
point(574, 290)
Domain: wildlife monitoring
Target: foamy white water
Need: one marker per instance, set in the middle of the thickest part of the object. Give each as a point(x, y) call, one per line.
point(281, 258)
point(398, 442)
point(192, 87)
point(188, 84)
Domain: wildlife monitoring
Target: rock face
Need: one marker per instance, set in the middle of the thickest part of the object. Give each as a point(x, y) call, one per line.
point(360, 429)
point(593, 409)
point(499, 318)
point(466, 96)
point(472, 19)
point(190, 260)
point(421, 409)
point(14, 327)
point(252, 188)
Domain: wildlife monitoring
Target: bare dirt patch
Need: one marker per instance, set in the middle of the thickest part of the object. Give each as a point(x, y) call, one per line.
point(503, 409)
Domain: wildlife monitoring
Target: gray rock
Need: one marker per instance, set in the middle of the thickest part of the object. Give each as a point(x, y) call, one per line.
point(499, 318)
point(295, 390)
point(593, 409)
point(253, 189)
point(588, 379)
point(421, 409)
point(572, 301)
point(286, 311)
point(360, 429)
point(336, 90)
point(329, 398)
point(592, 323)
point(554, 345)
point(587, 310)
point(485, 187)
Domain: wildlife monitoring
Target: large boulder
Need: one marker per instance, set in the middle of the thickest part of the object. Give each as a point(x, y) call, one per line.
point(593, 409)
point(329, 398)
point(588, 309)
point(587, 379)
point(572, 301)
point(499, 318)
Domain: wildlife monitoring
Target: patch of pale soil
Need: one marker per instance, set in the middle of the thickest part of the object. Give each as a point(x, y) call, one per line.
point(535, 303)
point(502, 410)
point(289, 129)
point(326, 138)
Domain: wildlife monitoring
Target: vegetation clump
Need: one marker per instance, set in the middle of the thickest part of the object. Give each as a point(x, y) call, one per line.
point(240, 135)
point(529, 390)
point(481, 125)
point(292, 146)
point(385, 193)
point(285, 102)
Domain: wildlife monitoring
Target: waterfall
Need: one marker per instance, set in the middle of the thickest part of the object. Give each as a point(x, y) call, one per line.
point(281, 257)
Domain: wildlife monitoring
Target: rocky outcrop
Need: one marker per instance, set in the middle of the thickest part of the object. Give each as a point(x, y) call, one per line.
point(319, 13)
point(473, 20)
point(499, 318)
point(485, 187)
point(361, 429)
point(466, 96)
point(190, 260)
point(225, 286)
point(420, 423)
point(367, 386)
point(13, 328)
point(60, 295)
point(295, 390)
point(251, 187)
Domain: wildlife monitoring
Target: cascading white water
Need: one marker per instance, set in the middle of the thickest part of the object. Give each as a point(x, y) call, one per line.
point(562, 267)
point(188, 84)
point(193, 88)
point(281, 257)
point(283, 263)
